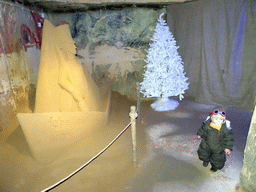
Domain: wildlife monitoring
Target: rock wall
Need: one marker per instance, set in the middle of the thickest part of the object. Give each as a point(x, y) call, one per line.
point(20, 41)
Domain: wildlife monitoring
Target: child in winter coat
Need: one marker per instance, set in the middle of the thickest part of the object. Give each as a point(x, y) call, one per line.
point(217, 140)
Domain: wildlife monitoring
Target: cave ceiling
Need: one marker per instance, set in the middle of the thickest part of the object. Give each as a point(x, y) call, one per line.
point(83, 5)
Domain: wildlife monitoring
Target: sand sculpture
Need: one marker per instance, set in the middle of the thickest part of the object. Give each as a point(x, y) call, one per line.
point(68, 105)
point(62, 84)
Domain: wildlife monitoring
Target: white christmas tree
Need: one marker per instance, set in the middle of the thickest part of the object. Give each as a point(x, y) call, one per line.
point(164, 75)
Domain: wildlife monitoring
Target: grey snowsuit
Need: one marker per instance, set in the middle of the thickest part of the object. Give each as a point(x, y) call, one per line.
point(213, 144)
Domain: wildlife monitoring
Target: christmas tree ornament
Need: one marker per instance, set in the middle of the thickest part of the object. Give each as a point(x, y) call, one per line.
point(164, 73)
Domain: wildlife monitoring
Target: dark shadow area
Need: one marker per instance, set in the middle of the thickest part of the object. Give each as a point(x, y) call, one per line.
point(240, 124)
point(32, 97)
point(18, 140)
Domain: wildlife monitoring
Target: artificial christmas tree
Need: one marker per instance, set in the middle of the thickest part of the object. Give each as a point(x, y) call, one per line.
point(164, 75)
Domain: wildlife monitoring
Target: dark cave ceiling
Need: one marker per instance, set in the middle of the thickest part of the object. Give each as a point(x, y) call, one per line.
point(82, 5)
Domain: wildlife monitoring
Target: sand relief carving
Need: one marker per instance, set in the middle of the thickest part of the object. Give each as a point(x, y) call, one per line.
point(63, 85)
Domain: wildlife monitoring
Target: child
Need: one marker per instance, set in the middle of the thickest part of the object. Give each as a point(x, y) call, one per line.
point(217, 140)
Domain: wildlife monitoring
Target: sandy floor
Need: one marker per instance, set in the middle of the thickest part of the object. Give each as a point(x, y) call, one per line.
point(167, 159)
point(20, 172)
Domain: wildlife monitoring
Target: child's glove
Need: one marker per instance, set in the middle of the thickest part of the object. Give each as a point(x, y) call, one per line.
point(227, 151)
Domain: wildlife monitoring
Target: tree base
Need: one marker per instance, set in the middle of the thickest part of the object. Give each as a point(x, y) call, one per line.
point(164, 104)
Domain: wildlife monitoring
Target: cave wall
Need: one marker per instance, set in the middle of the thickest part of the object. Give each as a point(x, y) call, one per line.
point(20, 41)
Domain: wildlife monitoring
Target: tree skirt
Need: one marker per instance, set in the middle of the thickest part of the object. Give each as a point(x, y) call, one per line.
point(164, 104)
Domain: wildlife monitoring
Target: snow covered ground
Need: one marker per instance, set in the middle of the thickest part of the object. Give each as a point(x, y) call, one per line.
point(183, 147)
point(172, 163)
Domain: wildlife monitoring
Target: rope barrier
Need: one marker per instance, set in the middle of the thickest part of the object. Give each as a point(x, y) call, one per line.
point(83, 166)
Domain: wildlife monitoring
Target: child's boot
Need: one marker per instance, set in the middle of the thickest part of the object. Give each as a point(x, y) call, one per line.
point(213, 169)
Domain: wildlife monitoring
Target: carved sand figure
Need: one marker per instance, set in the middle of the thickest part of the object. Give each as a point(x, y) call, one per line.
point(63, 85)
point(68, 105)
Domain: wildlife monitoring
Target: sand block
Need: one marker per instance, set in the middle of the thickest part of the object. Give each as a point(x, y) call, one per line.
point(48, 134)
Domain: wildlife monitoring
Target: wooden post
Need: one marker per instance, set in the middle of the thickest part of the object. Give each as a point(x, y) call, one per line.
point(138, 102)
point(133, 116)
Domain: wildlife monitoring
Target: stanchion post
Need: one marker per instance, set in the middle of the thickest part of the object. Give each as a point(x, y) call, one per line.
point(133, 116)
point(138, 102)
